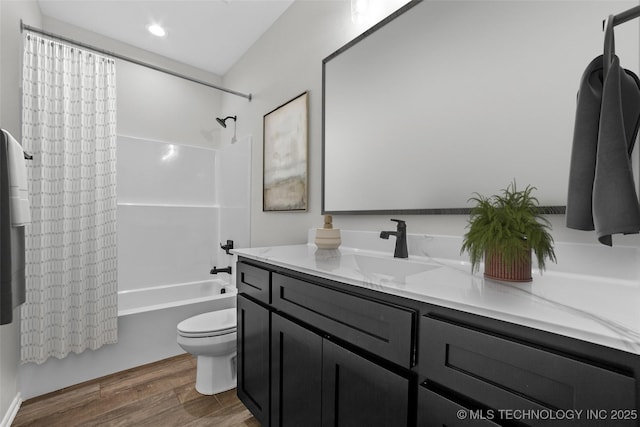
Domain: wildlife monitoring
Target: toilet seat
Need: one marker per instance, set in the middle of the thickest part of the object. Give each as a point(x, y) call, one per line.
point(214, 323)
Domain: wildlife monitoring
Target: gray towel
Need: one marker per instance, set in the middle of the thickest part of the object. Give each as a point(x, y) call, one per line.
point(12, 247)
point(602, 194)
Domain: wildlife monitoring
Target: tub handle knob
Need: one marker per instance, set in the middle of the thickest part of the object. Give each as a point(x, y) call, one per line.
point(227, 247)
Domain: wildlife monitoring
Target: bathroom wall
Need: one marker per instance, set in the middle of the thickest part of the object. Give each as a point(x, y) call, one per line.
point(10, 76)
point(287, 61)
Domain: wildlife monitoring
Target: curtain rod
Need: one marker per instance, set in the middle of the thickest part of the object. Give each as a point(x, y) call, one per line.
point(24, 26)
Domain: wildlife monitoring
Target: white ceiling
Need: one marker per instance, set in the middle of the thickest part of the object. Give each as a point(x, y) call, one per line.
point(207, 34)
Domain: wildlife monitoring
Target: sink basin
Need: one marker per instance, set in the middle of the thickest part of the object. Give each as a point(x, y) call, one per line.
point(395, 269)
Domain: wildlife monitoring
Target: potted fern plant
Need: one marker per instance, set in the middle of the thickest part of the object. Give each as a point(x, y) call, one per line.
point(503, 230)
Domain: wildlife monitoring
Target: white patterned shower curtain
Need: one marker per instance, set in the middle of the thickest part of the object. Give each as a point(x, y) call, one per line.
point(69, 126)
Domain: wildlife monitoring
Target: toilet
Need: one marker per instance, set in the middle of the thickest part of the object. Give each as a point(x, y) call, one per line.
point(212, 338)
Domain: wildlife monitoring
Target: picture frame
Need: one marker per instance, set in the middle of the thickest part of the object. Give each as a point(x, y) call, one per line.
point(285, 156)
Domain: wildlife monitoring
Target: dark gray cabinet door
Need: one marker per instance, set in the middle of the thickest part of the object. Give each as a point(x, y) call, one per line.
point(357, 392)
point(253, 358)
point(296, 371)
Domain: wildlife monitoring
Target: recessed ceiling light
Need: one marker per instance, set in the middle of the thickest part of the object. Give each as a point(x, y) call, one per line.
point(156, 30)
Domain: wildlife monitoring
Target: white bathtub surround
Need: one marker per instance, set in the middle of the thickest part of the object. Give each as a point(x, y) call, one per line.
point(592, 294)
point(71, 256)
point(168, 217)
point(164, 245)
point(161, 172)
point(233, 190)
point(176, 204)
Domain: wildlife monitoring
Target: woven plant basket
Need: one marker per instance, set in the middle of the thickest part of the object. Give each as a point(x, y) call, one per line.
point(517, 271)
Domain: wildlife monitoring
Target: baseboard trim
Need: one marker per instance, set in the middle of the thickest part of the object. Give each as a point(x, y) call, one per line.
point(11, 413)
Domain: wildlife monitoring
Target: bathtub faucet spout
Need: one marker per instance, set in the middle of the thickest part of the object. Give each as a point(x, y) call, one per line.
point(216, 270)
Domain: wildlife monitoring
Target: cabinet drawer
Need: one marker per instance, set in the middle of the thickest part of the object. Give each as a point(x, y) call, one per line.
point(253, 281)
point(438, 411)
point(381, 328)
point(504, 374)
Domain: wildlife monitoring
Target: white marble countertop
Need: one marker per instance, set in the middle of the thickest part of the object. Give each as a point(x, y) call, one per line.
point(600, 310)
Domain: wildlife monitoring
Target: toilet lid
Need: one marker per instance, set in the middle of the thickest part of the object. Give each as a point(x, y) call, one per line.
point(214, 323)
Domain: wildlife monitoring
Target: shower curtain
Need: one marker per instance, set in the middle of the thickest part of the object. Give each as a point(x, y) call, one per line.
point(69, 126)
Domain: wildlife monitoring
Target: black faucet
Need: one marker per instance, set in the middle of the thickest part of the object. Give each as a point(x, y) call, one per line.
point(401, 239)
point(216, 270)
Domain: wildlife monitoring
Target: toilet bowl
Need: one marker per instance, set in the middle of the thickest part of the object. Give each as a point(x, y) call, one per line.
point(212, 338)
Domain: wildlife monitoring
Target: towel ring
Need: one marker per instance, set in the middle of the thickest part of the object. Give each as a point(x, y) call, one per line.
point(609, 46)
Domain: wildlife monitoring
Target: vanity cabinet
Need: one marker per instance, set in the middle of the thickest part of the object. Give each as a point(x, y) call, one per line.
point(317, 352)
point(323, 343)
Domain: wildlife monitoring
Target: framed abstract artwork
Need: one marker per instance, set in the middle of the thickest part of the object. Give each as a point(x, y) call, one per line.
point(285, 164)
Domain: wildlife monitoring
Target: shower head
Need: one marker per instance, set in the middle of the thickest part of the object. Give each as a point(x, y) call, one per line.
point(223, 122)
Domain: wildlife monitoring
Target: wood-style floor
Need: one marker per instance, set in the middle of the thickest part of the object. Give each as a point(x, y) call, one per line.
point(160, 394)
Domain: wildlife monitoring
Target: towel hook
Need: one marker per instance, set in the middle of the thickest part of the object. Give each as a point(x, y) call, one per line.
point(609, 45)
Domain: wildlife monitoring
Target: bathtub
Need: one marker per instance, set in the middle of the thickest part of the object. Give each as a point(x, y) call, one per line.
point(148, 317)
point(174, 296)
point(147, 321)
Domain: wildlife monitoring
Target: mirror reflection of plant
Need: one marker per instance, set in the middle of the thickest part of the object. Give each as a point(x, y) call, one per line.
point(509, 224)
